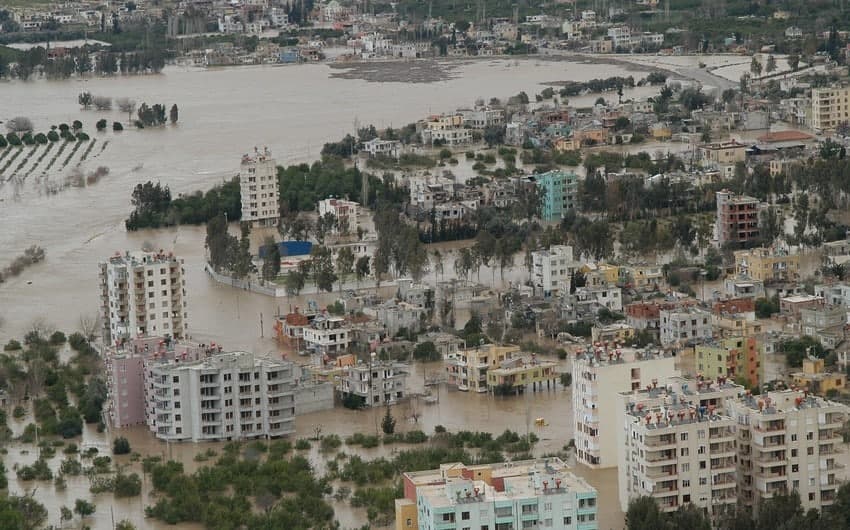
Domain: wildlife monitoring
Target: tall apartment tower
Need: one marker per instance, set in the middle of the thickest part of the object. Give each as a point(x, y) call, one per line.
point(830, 107)
point(737, 218)
point(143, 293)
point(598, 377)
point(788, 441)
point(259, 189)
point(677, 445)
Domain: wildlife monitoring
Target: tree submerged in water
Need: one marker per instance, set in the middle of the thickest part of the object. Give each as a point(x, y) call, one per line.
point(388, 423)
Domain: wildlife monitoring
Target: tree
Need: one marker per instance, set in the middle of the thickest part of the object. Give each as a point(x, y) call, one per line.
point(344, 264)
point(426, 352)
point(83, 508)
point(388, 423)
point(173, 114)
point(493, 135)
point(101, 125)
point(85, 99)
point(126, 105)
point(362, 268)
point(65, 514)
point(770, 67)
point(271, 263)
point(294, 282)
point(644, 514)
point(323, 268)
point(102, 102)
point(121, 446)
point(793, 61)
point(755, 67)
point(125, 525)
point(19, 124)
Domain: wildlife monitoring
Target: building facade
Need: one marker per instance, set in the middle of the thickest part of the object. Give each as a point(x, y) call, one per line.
point(224, 396)
point(830, 107)
point(597, 378)
point(684, 326)
point(376, 383)
point(768, 264)
point(559, 193)
point(519, 495)
point(345, 212)
point(258, 187)
point(737, 218)
point(552, 270)
point(467, 370)
point(143, 293)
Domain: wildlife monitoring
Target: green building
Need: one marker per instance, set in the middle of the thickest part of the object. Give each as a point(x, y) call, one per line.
point(558, 193)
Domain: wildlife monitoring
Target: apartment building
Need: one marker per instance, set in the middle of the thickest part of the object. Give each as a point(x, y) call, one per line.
point(376, 383)
point(732, 357)
point(558, 191)
point(830, 107)
point(817, 380)
point(552, 270)
point(327, 335)
point(345, 212)
point(723, 156)
point(467, 370)
point(768, 264)
point(737, 219)
point(378, 147)
point(828, 324)
point(522, 373)
point(597, 378)
point(689, 325)
point(678, 447)
point(524, 494)
point(143, 293)
point(788, 441)
point(224, 396)
point(258, 187)
point(834, 294)
point(482, 117)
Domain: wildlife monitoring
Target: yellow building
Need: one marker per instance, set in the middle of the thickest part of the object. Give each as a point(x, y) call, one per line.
point(520, 373)
point(617, 332)
point(732, 357)
point(817, 380)
point(468, 369)
point(830, 107)
point(600, 274)
point(735, 325)
point(767, 264)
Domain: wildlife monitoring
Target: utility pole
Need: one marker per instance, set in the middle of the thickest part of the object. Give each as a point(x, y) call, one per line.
point(261, 325)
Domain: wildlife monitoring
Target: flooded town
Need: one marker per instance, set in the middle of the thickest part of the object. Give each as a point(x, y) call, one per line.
point(439, 265)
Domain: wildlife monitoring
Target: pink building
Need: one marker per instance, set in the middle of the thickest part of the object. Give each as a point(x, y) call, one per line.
point(125, 374)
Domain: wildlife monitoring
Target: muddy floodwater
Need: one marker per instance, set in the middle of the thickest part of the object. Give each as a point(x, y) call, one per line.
point(223, 114)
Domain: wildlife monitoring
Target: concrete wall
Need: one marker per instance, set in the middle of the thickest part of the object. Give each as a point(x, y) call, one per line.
point(313, 397)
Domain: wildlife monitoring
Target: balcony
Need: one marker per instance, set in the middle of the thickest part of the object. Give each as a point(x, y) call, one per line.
point(666, 457)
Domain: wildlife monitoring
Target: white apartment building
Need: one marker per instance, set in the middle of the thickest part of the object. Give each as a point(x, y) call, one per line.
point(482, 117)
point(678, 445)
point(830, 107)
point(837, 294)
point(143, 293)
point(598, 377)
point(552, 270)
point(226, 396)
point(684, 326)
point(259, 189)
point(345, 213)
point(621, 36)
point(449, 137)
point(376, 383)
point(788, 441)
point(327, 334)
point(378, 147)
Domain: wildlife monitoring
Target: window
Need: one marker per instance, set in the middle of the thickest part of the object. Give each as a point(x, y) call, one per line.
point(568, 520)
point(175, 379)
point(702, 464)
point(810, 451)
point(686, 483)
point(793, 453)
point(464, 516)
point(684, 437)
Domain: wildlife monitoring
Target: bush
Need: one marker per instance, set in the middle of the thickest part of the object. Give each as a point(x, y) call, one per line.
point(302, 444)
point(3, 142)
point(330, 442)
point(27, 138)
point(77, 125)
point(57, 338)
point(445, 153)
point(121, 446)
point(116, 126)
point(127, 485)
point(13, 139)
point(12, 345)
point(82, 137)
point(426, 351)
point(19, 412)
point(41, 138)
point(53, 136)
point(101, 124)
point(63, 127)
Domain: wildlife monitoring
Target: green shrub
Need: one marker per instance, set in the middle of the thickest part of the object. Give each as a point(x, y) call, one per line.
point(121, 446)
point(13, 139)
point(3, 142)
point(302, 444)
point(12, 345)
point(41, 138)
point(53, 136)
point(101, 124)
point(116, 126)
point(28, 139)
point(82, 137)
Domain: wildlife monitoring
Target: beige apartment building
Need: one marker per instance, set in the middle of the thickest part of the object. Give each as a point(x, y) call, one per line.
point(830, 107)
point(258, 188)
